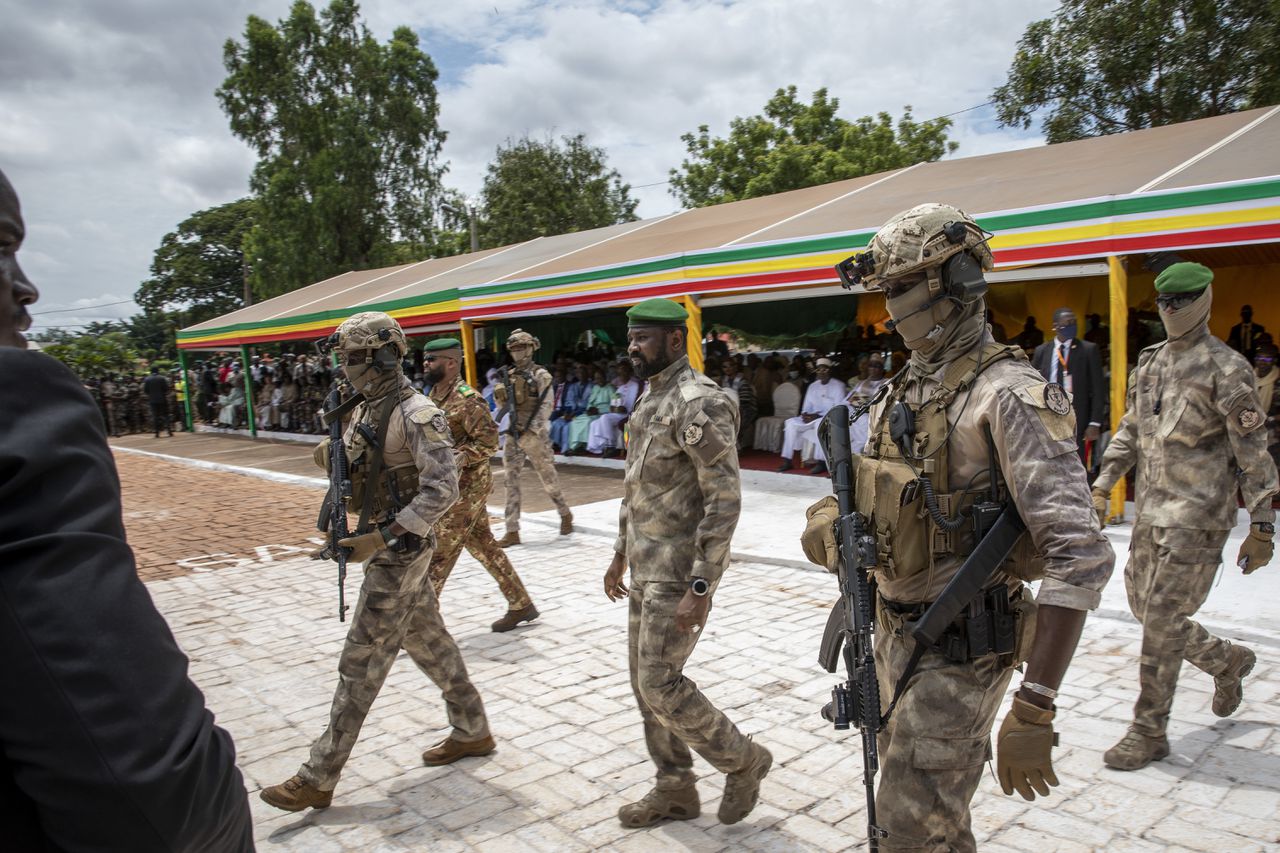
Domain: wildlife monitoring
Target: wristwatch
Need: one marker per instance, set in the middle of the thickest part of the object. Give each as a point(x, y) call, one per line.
point(390, 541)
point(1265, 527)
point(700, 587)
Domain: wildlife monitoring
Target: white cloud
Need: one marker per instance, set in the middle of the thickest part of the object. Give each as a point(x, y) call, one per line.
point(112, 135)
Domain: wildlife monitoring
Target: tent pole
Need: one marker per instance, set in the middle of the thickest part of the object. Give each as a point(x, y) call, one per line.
point(468, 352)
point(186, 389)
point(1119, 286)
point(248, 390)
point(693, 332)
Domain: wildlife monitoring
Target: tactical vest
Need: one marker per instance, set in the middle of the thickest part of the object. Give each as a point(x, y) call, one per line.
point(893, 492)
point(526, 396)
point(381, 483)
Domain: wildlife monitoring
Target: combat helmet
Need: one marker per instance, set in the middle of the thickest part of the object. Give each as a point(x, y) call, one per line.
point(923, 240)
point(520, 337)
point(369, 330)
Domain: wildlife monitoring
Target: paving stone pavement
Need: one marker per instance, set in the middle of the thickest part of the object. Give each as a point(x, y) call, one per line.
point(264, 643)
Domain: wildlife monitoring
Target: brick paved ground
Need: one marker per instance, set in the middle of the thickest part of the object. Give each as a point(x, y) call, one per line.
point(264, 644)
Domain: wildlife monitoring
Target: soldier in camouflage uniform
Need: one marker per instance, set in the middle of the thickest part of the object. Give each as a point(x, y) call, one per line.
point(1196, 431)
point(475, 440)
point(397, 607)
point(528, 433)
point(681, 497)
point(969, 398)
point(112, 404)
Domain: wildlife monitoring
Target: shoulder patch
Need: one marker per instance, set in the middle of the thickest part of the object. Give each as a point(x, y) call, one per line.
point(1249, 419)
point(1055, 399)
point(1058, 421)
point(466, 390)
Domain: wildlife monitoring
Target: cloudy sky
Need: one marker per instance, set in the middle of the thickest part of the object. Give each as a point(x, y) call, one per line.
point(111, 134)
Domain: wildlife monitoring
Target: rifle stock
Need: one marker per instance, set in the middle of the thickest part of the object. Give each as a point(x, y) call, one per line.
point(851, 624)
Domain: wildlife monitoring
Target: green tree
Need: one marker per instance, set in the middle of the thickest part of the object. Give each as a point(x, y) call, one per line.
point(200, 267)
point(91, 356)
point(795, 145)
point(1108, 66)
point(347, 138)
point(538, 188)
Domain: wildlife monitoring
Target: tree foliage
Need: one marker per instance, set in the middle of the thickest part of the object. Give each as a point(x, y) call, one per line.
point(538, 188)
point(347, 136)
point(95, 355)
point(200, 267)
point(795, 145)
point(1108, 66)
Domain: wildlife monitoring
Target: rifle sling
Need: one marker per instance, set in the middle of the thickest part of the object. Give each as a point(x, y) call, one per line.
point(375, 464)
point(342, 408)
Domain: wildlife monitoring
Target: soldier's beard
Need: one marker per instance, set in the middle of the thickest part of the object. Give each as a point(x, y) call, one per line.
point(435, 373)
point(644, 368)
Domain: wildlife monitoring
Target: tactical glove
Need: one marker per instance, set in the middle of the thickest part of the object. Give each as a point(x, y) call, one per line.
point(364, 546)
point(1100, 500)
point(1256, 550)
point(1023, 750)
point(819, 537)
point(321, 454)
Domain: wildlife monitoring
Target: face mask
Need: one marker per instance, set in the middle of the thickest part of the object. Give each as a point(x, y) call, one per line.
point(1067, 332)
point(793, 374)
point(920, 326)
point(522, 357)
point(1188, 318)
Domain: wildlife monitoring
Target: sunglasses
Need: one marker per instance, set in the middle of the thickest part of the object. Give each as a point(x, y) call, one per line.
point(1176, 301)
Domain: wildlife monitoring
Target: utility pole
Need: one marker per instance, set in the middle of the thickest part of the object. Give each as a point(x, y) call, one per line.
point(244, 272)
point(471, 217)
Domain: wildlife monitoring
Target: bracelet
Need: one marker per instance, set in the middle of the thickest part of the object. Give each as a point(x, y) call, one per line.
point(1047, 692)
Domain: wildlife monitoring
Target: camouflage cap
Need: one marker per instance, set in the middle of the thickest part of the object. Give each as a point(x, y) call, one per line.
point(369, 330)
point(1185, 277)
point(657, 312)
point(520, 337)
point(920, 239)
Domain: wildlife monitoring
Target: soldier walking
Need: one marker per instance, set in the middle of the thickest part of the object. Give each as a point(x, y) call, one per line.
point(964, 410)
point(528, 402)
point(401, 456)
point(681, 498)
point(466, 524)
point(1196, 431)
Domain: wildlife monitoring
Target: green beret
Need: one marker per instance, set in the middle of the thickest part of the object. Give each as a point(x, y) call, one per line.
point(442, 343)
point(657, 312)
point(1184, 278)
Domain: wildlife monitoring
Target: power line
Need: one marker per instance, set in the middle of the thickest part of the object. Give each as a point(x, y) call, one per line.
point(85, 308)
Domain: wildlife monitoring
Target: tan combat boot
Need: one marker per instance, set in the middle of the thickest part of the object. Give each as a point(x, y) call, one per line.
point(1228, 686)
point(511, 538)
point(659, 805)
point(566, 524)
point(294, 795)
point(742, 789)
point(449, 750)
point(1135, 751)
point(514, 618)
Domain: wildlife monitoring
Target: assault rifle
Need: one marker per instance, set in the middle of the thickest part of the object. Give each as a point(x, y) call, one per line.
point(852, 623)
point(509, 407)
point(333, 512)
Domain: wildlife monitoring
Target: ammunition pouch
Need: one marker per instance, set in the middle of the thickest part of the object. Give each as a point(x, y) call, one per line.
point(397, 488)
point(993, 624)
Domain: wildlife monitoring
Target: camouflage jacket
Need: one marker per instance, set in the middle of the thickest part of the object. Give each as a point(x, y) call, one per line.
point(1195, 430)
point(475, 434)
point(681, 493)
point(417, 432)
point(537, 379)
point(1036, 453)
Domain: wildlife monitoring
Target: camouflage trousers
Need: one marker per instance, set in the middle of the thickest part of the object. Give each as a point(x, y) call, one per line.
point(396, 609)
point(677, 717)
point(466, 524)
point(536, 446)
point(934, 747)
point(1168, 577)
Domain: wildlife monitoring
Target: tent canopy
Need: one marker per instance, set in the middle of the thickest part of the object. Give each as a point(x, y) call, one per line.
point(1212, 182)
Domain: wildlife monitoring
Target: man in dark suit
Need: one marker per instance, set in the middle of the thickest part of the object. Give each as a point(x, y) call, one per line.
point(1246, 336)
point(105, 744)
point(1076, 366)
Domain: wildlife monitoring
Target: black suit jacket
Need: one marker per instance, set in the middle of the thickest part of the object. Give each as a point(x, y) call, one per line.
point(105, 743)
point(1089, 394)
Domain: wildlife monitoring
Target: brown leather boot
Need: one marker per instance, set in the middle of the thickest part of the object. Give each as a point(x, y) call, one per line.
point(566, 524)
point(294, 795)
point(742, 789)
point(514, 618)
point(1135, 751)
point(449, 750)
point(659, 805)
point(511, 538)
